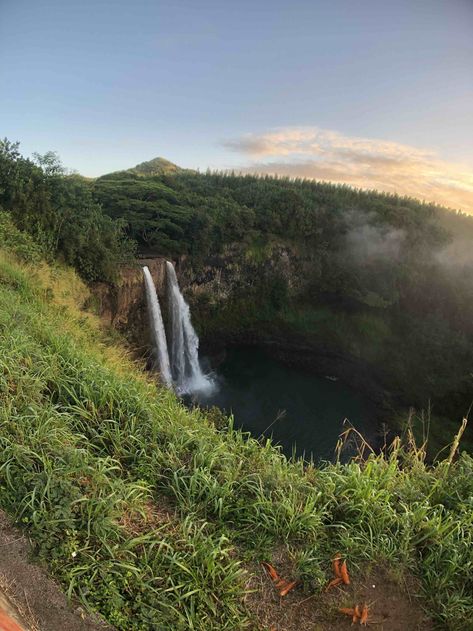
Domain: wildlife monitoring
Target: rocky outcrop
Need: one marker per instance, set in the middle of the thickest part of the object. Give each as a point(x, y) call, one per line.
point(123, 306)
point(213, 281)
point(237, 268)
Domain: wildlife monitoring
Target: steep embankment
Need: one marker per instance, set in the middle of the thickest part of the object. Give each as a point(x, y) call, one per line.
point(159, 517)
point(29, 597)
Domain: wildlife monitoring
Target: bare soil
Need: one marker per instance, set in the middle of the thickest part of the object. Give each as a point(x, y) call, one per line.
point(392, 603)
point(30, 596)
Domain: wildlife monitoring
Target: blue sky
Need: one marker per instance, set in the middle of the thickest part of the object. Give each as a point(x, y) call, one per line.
point(353, 84)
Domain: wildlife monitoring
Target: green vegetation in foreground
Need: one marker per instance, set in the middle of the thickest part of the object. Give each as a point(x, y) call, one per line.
point(92, 453)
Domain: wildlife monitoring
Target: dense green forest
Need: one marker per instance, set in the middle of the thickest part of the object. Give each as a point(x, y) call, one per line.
point(58, 210)
point(384, 278)
point(166, 207)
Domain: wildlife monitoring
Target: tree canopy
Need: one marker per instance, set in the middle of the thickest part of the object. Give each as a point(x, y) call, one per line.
point(59, 211)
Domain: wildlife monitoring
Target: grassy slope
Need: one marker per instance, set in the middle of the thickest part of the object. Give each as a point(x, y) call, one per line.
point(148, 513)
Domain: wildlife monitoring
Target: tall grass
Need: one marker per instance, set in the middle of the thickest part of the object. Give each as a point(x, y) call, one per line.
point(147, 512)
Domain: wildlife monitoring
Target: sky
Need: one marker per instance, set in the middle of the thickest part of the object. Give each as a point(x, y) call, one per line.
point(373, 93)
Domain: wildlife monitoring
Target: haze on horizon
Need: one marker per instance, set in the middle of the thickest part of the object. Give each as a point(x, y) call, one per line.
point(372, 94)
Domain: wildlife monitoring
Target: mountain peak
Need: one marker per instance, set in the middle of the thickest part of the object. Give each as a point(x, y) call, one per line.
point(156, 166)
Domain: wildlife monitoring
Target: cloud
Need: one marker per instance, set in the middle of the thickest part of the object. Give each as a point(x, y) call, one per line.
point(322, 154)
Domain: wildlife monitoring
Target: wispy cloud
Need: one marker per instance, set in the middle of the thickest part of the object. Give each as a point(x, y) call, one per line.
point(362, 162)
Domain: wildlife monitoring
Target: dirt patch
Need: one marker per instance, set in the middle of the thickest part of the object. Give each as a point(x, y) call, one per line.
point(392, 604)
point(30, 596)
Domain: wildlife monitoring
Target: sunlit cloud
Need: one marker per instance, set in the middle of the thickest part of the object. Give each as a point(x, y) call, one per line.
point(321, 154)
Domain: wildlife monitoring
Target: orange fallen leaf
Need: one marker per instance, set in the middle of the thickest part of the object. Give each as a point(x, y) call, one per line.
point(356, 614)
point(288, 588)
point(271, 571)
point(364, 614)
point(333, 583)
point(344, 573)
point(336, 565)
point(283, 586)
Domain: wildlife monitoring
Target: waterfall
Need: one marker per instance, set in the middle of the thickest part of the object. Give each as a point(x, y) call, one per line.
point(157, 328)
point(186, 370)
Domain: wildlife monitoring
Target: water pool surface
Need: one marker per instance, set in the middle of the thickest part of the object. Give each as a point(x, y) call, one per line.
point(301, 411)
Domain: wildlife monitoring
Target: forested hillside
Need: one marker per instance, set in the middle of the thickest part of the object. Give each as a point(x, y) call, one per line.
point(169, 209)
point(58, 210)
point(387, 280)
point(384, 281)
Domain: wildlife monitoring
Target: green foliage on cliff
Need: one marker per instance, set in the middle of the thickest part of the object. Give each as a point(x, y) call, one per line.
point(155, 518)
point(58, 211)
point(20, 243)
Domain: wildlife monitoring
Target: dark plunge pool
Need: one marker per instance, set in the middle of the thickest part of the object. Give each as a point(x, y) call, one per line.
point(300, 410)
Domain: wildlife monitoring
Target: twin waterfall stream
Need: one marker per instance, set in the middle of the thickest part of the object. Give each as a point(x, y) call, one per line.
point(178, 360)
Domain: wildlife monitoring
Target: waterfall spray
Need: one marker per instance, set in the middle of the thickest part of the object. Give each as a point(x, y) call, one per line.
point(186, 370)
point(157, 328)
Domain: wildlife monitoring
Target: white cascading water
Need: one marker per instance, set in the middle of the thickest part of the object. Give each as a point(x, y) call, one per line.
point(186, 371)
point(157, 328)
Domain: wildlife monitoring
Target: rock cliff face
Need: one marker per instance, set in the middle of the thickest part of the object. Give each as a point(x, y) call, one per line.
point(210, 283)
point(236, 269)
point(235, 294)
point(217, 290)
point(124, 306)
